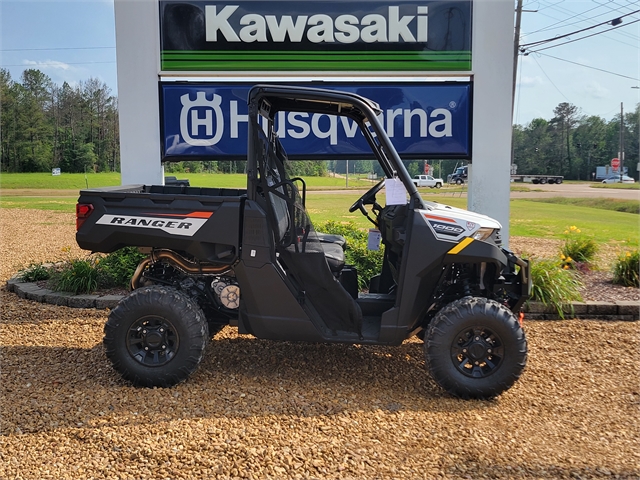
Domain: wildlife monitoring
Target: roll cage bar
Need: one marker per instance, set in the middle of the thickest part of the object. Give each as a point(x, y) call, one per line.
point(267, 100)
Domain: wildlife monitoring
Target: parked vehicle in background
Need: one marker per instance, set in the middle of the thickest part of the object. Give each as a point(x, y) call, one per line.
point(460, 176)
point(618, 179)
point(607, 171)
point(174, 181)
point(427, 181)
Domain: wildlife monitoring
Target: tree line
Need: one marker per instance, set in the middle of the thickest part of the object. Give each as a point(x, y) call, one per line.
point(75, 128)
point(45, 126)
point(573, 145)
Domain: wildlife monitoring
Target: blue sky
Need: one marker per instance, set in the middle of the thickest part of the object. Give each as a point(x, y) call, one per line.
point(75, 40)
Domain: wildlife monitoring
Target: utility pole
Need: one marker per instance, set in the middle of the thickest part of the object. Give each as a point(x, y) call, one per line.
point(516, 51)
point(621, 151)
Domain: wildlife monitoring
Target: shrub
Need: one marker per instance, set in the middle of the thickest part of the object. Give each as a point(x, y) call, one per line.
point(35, 273)
point(625, 269)
point(367, 262)
point(117, 268)
point(578, 250)
point(76, 276)
point(554, 285)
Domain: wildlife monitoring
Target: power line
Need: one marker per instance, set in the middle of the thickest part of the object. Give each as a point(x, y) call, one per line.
point(56, 48)
point(550, 27)
point(588, 66)
point(573, 15)
point(586, 36)
point(611, 9)
point(548, 78)
point(45, 64)
point(582, 30)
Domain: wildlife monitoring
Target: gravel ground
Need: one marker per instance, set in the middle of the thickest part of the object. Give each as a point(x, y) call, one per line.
point(261, 409)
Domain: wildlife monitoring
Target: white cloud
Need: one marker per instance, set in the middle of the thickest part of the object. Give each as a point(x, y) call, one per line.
point(48, 64)
point(526, 81)
point(594, 90)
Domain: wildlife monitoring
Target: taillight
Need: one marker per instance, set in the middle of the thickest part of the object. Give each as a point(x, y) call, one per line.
point(83, 210)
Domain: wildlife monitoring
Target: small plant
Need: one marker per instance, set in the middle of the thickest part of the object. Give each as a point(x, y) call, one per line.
point(35, 273)
point(625, 269)
point(554, 285)
point(578, 250)
point(117, 268)
point(76, 276)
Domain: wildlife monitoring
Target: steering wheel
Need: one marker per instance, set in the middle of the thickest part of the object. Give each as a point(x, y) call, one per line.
point(369, 198)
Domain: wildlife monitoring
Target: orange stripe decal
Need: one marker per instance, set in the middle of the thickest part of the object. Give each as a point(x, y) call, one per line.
point(185, 215)
point(442, 219)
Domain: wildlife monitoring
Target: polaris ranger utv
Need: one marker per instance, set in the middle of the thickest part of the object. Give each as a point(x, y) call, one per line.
point(252, 259)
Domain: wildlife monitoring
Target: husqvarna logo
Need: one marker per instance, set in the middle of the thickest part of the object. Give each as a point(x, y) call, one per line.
point(197, 125)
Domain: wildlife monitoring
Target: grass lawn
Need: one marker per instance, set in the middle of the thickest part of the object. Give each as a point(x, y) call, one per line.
point(529, 218)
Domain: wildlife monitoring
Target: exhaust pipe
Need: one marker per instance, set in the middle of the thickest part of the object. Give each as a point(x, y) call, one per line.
point(178, 261)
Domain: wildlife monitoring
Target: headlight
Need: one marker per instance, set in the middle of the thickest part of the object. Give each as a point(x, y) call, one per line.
point(483, 234)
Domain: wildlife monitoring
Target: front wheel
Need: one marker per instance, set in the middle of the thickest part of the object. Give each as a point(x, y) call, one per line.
point(438, 185)
point(475, 348)
point(155, 337)
point(459, 181)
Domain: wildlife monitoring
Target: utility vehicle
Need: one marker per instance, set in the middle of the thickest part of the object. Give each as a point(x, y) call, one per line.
point(252, 259)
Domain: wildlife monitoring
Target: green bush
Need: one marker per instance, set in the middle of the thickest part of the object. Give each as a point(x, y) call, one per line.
point(367, 262)
point(625, 269)
point(35, 273)
point(577, 248)
point(117, 268)
point(554, 285)
point(85, 276)
point(76, 276)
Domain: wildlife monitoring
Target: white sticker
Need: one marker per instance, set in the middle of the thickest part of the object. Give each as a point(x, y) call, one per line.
point(373, 240)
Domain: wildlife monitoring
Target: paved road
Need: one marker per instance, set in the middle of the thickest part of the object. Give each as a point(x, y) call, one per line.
point(575, 190)
point(536, 191)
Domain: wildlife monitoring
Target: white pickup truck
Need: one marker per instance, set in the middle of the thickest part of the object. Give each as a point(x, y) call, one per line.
point(427, 181)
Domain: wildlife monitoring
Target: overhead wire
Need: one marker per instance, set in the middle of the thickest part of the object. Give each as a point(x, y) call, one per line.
point(54, 48)
point(582, 38)
point(553, 39)
point(588, 66)
point(611, 9)
point(551, 81)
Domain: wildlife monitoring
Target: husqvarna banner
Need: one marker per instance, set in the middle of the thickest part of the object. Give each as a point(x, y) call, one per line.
point(326, 35)
point(210, 122)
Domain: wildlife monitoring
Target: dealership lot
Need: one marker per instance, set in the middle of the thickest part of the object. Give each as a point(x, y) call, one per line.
point(257, 408)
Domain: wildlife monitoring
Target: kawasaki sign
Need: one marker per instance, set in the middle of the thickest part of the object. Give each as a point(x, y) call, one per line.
point(367, 36)
point(210, 122)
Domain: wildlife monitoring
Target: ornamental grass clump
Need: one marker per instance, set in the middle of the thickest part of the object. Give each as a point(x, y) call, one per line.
point(625, 269)
point(554, 285)
point(76, 276)
point(578, 250)
point(35, 273)
point(80, 276)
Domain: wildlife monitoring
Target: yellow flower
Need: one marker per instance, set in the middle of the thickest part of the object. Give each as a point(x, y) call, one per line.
point(566, 267)
point(569, 259)
point(628, 254)
point(573, 227)
point(566, 231)
point(578, 230)
point(562, 257)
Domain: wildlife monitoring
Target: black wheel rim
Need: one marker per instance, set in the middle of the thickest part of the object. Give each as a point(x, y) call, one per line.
point(477, 352)
point(152, 341)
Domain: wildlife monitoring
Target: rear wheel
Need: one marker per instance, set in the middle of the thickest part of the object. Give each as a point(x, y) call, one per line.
point(459, 181)
point(156, 337)
point(475, 348)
